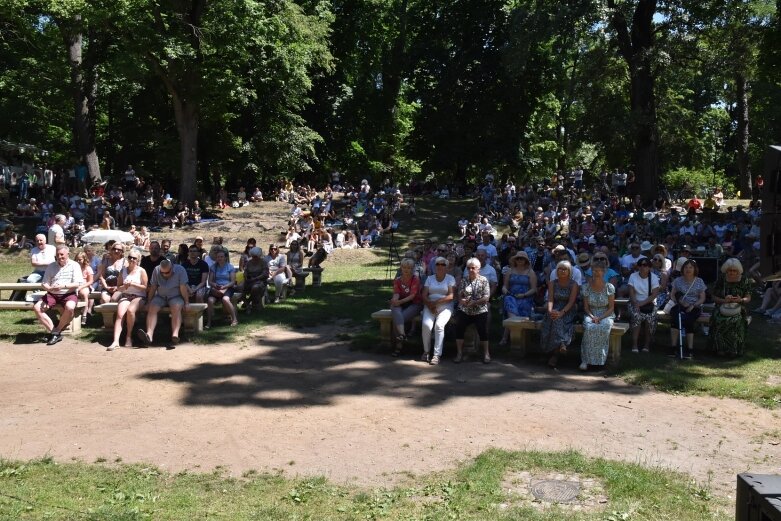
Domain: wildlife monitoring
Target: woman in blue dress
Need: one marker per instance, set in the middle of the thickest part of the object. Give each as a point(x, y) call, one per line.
point(519, 288)
point(598, 304)
point(559, 322)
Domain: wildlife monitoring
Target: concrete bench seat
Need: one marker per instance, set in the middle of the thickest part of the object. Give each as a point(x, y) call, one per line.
point(192, 318)
point(73, 328)
point(519, 328)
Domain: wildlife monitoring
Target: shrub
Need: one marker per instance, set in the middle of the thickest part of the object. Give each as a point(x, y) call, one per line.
point(700, 180)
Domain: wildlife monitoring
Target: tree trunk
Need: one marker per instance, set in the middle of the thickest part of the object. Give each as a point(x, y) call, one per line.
point(84, 89)
point(186, 114)
point(743, 163)
point(636, 49)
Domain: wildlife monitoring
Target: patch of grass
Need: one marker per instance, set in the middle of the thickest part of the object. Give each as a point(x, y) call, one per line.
point(47, 490)
point(745, 378)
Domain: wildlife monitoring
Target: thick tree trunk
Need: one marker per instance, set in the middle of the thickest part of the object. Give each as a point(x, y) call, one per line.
point(187, 124)
point(743, 163)
point(84, 89)
point(636, 49)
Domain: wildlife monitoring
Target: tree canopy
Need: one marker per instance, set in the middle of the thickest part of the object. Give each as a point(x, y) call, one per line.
point(199, 93)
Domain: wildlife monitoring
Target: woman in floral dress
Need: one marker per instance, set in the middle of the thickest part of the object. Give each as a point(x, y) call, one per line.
point(598, 303)
point(559, 322)
point(729, 322)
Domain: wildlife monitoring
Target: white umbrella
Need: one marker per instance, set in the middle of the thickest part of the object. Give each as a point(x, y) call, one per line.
point(102, 236)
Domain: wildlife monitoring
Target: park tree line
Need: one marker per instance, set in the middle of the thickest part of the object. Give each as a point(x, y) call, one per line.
point(203, 92)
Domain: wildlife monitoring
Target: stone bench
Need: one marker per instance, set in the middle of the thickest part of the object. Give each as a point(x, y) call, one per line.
point(75, 324)
point(192, 318)
point(519, 328)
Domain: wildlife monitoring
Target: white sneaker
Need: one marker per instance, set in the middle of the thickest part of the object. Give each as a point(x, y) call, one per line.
point(583, 366)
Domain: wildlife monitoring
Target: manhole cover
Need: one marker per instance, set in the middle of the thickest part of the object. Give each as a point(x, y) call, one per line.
point(555, 490)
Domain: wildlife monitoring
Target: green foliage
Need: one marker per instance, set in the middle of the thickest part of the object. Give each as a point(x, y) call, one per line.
point(699, 180)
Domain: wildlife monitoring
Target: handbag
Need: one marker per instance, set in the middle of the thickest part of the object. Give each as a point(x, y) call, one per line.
point(647, 308)
point(729, 309)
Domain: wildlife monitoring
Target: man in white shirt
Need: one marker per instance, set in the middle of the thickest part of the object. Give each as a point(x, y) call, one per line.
point(57, 231)
point(629, 260)
point(277, 272)
point(60, 280)
point(41, 256)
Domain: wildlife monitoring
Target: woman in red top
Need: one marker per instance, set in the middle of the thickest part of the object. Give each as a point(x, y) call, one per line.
point(405, 303)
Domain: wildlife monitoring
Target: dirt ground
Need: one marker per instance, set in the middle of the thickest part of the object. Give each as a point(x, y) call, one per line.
point(304, 403)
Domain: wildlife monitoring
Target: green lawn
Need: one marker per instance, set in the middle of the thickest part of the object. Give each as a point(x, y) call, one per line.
point(493, 486)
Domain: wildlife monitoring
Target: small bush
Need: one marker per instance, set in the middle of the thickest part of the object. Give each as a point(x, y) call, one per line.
point(700, 180)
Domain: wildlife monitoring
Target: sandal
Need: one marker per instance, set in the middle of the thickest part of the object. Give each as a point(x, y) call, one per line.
point(396, 351)
point(458, 359)
point(486, 359)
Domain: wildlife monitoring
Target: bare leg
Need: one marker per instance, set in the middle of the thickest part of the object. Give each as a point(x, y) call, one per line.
point(43, 318)
point(176, 320)
point(66, 316)
point(151, 320)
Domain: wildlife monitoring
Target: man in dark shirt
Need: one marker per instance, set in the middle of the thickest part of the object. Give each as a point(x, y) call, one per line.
point(197, 274)
point(153, 260)
point(165, 250)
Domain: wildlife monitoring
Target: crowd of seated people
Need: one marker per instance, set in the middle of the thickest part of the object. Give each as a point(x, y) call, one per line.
point(569, 253)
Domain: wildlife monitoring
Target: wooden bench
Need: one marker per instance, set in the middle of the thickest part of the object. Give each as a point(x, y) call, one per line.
point(192, 318)
point(519, 328)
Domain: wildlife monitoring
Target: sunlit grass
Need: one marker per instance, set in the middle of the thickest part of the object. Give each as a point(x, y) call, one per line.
point(488, 487)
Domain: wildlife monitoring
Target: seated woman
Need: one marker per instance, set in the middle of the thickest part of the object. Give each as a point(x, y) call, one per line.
point(558, 325)
point(251, 243)
point(255, 280)
point(688, 294)
point(295, 260)
point(131, 296)
point(182, 254)
point(109, 269)
point(644, 287)
point(520, 286)
point(83, 291)
point(437, 297)
point(771, 300)
point(598, 304)
point(406, 302)
point(729, 322)
point(11, 239)
point(473, 295)
point(222, 281)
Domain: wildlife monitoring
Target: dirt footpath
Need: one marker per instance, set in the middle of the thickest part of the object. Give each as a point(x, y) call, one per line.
point(305, 403)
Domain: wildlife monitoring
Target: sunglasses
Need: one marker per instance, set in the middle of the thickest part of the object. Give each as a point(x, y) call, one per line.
point(165, 273)
point(118, 249)
point(441, 264)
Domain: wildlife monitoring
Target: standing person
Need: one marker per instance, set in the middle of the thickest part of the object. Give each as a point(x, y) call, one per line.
point(598, 304)
point(473, 296)
point(688, 293)
point(131, 296)
point(644, 287)
point(167, 287)
point(222, 285)
point(277, 269)
point(406, 302)
point(153, 260)
point(56, 235)
point(61, 281)
point(729, 322)
point(437, 299)
point(558, 326)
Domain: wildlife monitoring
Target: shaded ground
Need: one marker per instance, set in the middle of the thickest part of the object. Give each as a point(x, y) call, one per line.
point(302, 401)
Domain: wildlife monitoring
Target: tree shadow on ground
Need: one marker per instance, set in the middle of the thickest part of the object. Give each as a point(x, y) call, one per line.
point(315, 368)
